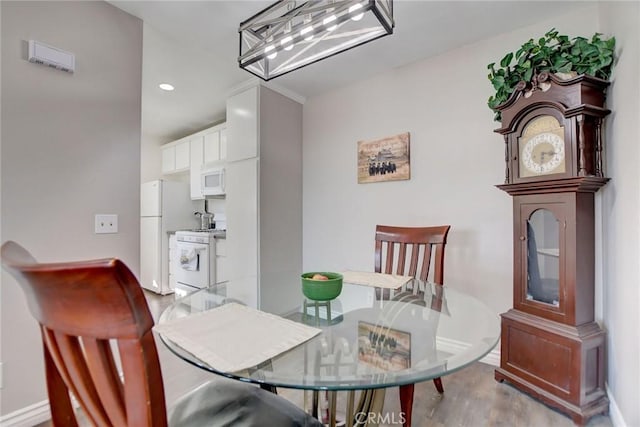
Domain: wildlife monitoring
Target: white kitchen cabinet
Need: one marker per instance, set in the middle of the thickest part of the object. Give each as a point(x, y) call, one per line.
point(243, 120)
point(175, 157)
point(264, 199)
point(173, 259)
point(223, 144)
point(197, 156)
point(215, 144)
point(192, 152)
point(182, 155)
point(168, 159)
point(242, 224)
point(206, 148)
point(221, 260)
point(212, 147)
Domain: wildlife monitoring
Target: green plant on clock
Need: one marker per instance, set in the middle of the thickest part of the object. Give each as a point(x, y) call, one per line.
point(554, 53)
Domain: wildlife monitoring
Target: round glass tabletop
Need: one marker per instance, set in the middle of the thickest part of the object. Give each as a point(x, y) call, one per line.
point(370, 337)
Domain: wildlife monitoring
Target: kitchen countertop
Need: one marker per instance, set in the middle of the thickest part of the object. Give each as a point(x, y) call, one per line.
point(217, 234)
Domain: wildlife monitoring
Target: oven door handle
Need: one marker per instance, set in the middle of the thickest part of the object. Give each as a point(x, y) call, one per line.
point(190, 262)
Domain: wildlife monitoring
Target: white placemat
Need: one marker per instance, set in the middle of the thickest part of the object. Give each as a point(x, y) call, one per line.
point(380, 280)
point(235, 337)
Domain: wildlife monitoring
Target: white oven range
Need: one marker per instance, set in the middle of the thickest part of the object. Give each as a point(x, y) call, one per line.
point(195, 261)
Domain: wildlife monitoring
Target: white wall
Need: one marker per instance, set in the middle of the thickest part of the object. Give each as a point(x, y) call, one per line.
point(456, 160)
point(621, 213)
point(1, 238)
point(70, 150)
point(150, 159)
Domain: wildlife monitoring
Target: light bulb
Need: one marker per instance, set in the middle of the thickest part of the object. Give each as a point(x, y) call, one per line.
point(268, 49)
point(353, 9)
point(307, 32)
point(286, 43)
point(328, 20)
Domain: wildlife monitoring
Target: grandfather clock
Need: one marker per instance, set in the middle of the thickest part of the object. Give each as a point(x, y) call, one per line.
point(551, 347)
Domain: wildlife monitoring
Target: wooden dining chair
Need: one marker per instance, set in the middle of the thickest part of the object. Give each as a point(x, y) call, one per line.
point(87, 308)
point(409, 251)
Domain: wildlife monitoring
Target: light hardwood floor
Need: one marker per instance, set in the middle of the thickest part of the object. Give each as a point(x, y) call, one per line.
point(472, 397)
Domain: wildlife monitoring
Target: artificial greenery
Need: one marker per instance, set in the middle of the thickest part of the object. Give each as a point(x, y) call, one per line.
point(553, 53)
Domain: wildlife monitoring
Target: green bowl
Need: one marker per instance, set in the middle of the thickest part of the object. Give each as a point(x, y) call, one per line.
point(321, 290)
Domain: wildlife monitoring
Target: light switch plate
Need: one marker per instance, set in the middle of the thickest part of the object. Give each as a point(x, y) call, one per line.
point(106, 223)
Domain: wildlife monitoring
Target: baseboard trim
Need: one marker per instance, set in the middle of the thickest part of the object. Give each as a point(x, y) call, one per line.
point(493, 358)
point(614, 412)
point(27, 416)
point(455, 346)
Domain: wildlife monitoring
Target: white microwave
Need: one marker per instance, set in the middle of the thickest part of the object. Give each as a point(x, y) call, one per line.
point(212, 181)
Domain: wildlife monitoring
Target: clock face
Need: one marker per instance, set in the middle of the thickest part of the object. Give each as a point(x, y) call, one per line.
point(543, 153)
point(542, 148)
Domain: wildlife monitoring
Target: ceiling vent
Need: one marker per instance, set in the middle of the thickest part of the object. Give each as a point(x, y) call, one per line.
point(50, 56)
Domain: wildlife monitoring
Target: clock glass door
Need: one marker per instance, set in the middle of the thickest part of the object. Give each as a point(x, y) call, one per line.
point(543, 257)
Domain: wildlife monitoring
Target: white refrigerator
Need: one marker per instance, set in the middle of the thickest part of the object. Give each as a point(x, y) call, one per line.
point(165, 206)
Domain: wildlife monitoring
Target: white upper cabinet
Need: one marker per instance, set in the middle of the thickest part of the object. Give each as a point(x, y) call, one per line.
point(215, 144)
point(175, 157)
point(242, 125)
point(182, 155)
point(223, 144)
point(212, 147)
point(191, 153)
point(168, 159)
point(197, 156)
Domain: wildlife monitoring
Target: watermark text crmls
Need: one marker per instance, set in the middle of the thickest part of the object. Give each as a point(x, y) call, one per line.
point(378, 418)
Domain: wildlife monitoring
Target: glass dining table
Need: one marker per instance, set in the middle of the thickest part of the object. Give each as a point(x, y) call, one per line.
point(370, 339)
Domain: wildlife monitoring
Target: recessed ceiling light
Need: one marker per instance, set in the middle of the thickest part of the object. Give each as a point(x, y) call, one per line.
point(166, 86)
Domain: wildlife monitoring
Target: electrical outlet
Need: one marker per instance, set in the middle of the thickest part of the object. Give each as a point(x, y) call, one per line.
point(106, 224)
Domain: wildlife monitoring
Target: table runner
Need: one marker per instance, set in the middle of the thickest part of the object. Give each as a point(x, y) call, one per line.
point(381, 280)
point(234, 337)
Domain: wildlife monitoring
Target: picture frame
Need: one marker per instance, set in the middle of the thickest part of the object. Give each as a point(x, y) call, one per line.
point(383, 347)
point(385, 159)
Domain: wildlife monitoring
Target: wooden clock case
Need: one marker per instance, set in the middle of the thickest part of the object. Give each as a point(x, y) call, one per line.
point(555, 351)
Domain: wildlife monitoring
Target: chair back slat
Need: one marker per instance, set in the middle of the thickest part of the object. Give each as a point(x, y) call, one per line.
point(439, 269)
point(430, 241)
point(378, 257)
point(62, 413)
point(426, 262)
point(401, 258)
point(70, 354)
point(55, 350)
point(140, 392)
point(105, 375)
point(389, 263)
point(84, 307)
point(415, 252)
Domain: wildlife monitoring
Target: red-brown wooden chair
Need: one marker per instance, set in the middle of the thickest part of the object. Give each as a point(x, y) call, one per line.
point(83, 309)
point(409, 251)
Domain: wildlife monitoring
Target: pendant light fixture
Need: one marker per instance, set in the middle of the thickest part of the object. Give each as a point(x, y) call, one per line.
point(292, 34)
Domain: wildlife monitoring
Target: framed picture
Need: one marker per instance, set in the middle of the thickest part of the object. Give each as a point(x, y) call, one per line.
point(383, 347)
point(385, 159)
